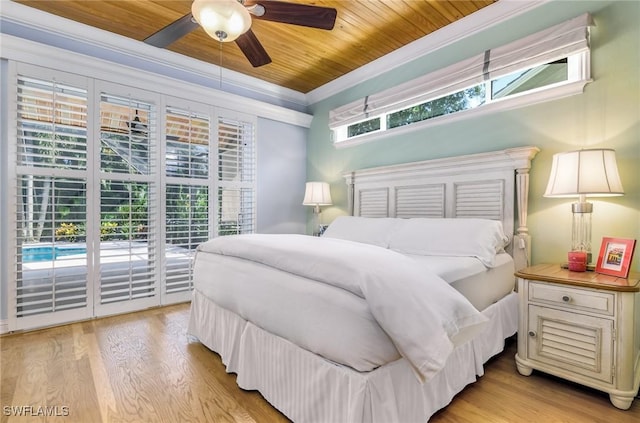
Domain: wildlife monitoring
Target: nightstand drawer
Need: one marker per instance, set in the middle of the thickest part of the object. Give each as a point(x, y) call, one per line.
point(581, 299)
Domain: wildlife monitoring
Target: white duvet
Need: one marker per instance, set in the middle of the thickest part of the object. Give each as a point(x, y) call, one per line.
point(422, 314)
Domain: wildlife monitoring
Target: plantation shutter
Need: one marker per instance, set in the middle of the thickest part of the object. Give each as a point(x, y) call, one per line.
point(236, 175)
point(187, 170)
point(50, 274)
point(128, 254)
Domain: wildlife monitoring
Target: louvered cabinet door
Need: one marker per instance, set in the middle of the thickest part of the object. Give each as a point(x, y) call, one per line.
point(577, 343)
point(582, 327)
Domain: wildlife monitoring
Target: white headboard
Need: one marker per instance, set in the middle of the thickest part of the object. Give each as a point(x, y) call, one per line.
point(492, 185)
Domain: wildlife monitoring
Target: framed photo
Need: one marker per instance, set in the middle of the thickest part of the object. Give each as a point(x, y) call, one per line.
point(615, 256)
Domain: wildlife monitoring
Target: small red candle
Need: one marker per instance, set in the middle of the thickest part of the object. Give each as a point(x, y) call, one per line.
point(577, 261)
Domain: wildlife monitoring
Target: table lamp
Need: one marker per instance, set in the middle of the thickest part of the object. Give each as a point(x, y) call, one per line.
point(582, 174)
point(317, 194)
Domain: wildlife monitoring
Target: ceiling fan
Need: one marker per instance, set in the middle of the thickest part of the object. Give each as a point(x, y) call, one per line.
point(230, 20)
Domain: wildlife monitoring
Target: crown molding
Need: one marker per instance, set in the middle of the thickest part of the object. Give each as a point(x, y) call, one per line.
point(34, 53)
point(132, 51)
point(466, 27)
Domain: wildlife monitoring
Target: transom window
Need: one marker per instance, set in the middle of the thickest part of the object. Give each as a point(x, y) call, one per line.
point(550, 64)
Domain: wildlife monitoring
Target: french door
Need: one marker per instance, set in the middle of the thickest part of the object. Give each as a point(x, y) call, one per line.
point(52, 185)
point(126, 236)
point(114, 190)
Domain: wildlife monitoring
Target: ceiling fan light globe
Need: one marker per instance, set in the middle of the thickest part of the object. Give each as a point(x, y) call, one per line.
point(221, 16)
point(237, 24)
point(209, 19)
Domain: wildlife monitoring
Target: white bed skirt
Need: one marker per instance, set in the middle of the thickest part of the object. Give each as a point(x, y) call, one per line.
point(308, 388)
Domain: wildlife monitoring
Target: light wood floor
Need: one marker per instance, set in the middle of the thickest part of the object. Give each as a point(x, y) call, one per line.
point(142, 367)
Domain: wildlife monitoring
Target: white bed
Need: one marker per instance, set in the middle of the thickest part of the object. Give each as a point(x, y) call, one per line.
point(359, 375)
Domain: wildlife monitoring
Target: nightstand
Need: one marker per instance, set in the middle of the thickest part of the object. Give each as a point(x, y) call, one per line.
point(581, 326)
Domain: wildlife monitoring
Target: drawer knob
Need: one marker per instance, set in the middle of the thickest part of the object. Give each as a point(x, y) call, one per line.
point(566, 298)
point(532, 334)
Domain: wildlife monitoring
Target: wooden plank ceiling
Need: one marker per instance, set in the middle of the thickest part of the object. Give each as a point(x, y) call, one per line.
point(303, 58)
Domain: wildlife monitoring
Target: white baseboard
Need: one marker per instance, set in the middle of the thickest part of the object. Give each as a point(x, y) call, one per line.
point(4, 326)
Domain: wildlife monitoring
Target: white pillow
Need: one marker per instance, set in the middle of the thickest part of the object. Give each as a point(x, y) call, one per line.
point(368, 230)
point(481, 238)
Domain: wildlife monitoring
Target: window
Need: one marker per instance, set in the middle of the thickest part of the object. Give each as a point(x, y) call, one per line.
point(452, 103)
point(530, 79)
point(544, 66)
point(364, 127)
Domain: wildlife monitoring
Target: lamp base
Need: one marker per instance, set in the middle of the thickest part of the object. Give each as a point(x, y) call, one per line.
point(581, 226)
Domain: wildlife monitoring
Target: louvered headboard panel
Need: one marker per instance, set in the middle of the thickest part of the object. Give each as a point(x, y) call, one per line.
point(374, 202)
point(420, 200)
point(484, 199)
point(490, 185)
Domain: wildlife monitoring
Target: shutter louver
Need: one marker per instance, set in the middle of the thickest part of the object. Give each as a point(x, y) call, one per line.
point(52, 125)
point(128, 256)
point(52, 259)
point(125, 128)
point(187, 144)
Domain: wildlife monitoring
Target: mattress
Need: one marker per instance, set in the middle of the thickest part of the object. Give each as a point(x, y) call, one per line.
point(324, 320)
point(482, 286)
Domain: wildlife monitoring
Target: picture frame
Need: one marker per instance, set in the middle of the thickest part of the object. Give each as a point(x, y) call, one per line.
point(615, 256)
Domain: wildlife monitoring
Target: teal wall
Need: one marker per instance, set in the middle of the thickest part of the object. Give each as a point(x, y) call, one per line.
point(606, 115)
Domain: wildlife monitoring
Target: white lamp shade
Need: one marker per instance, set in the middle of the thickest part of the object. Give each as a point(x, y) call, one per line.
point(317, 194)
point(223, 20)
point(584, 172)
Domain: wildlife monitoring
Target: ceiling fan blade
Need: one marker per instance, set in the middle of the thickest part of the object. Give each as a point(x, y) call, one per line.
point(172, 32)
point(298, 14)
point(251, 47)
